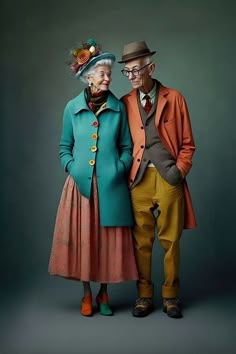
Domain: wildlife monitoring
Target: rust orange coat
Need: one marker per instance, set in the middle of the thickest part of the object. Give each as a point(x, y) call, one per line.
point(174, 129)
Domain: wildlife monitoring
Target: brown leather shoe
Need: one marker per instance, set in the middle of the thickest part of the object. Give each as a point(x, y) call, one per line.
point(143, 306)
point(172, 307)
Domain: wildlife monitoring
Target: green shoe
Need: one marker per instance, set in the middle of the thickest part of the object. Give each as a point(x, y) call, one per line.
point(105, 309)
point(103, 304)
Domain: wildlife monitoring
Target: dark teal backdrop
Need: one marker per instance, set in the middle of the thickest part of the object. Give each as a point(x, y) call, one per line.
point(196, 54)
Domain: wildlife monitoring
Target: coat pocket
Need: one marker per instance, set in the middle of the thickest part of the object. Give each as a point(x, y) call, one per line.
point(121, 166)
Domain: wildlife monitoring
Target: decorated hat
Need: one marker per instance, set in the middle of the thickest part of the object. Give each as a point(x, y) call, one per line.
point(84, 57)
point(135, 50)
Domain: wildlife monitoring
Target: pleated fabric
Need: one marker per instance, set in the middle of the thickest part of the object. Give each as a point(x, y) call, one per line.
point(82, 249)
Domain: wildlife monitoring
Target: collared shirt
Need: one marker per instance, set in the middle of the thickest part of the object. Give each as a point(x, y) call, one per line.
point(151, 94)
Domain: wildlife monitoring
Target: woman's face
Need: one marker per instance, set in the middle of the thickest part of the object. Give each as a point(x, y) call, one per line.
point(100, 79)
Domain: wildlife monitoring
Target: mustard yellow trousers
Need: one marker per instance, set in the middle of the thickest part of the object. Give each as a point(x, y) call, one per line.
point(154, 193)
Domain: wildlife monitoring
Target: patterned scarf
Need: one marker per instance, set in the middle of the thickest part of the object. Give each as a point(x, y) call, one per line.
point(95, 100)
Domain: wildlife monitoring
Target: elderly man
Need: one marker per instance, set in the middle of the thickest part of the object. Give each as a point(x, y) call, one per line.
point(163, 148)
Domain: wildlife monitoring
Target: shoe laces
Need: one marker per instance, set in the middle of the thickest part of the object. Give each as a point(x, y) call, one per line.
point(143, 301)
point(173, 301)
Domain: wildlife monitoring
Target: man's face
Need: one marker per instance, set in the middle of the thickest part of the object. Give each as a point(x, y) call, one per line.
point(138, 78)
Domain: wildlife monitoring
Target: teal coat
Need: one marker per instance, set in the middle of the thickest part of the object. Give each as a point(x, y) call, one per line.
point(102, 144)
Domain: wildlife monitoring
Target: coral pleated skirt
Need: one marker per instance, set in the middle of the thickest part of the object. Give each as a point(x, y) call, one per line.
point(83, 250)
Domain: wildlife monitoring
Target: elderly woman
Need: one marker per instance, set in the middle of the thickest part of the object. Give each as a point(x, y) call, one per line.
point(92, 236)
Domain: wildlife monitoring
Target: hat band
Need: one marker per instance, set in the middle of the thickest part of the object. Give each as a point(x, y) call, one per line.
point(135, 54)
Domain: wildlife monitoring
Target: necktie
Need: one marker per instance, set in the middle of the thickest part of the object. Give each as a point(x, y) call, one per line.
point(147, 107)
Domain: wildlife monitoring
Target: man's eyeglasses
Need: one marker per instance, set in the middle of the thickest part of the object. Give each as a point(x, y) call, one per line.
point(134, 72)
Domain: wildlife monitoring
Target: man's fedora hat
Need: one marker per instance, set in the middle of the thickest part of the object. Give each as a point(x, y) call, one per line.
point(135, 50)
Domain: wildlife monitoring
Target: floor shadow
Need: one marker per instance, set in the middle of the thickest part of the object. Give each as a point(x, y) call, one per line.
point(212, 292)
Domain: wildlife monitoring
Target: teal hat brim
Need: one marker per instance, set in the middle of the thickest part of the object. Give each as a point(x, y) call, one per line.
point(93, 61)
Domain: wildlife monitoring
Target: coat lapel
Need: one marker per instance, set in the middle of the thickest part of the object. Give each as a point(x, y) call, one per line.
point(161, 103)
point(80, 103)
point(134, 104)
point(163, 91)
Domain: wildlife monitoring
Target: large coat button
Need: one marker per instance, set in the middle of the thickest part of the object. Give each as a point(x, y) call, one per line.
point(93, 148)
point(95, 123)
point(91, 162)
point(94, 136)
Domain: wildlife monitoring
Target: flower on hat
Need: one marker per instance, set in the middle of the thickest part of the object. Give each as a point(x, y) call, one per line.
point(82, 55)
point(91, 42)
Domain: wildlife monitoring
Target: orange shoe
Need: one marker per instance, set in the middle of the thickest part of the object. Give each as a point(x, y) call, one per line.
point(86, 308)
